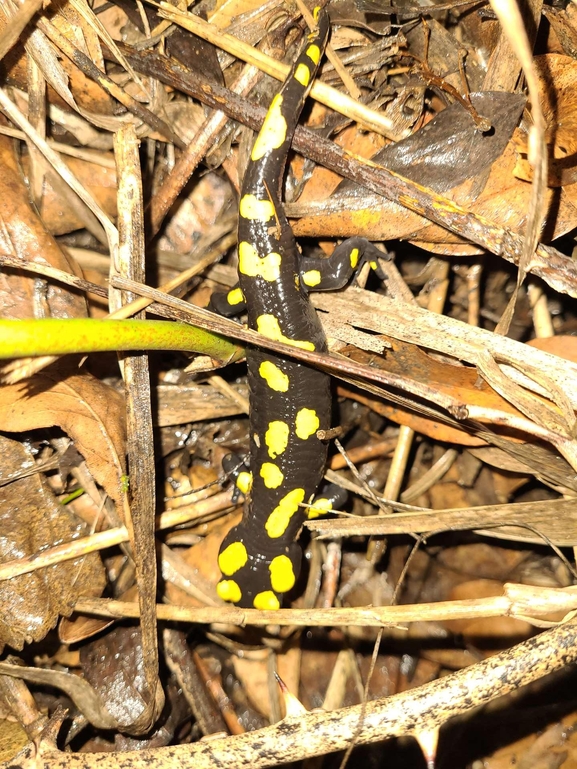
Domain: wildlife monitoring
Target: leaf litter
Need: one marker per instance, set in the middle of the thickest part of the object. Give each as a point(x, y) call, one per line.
point(460, 517)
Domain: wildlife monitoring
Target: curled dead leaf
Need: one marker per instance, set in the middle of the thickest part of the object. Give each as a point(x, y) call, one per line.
point(89, 411)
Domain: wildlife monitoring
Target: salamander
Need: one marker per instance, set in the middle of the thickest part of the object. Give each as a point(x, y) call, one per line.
point(289, 401)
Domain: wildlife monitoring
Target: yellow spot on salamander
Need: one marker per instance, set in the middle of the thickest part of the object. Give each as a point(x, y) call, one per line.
point(232, 558)
point(266, 601)
point(252, 208)
point(319, 507)
point(354, 257)
point(276, 438)
point(271, 475)
point(303, 74)
point(269, 326)
point(314, 53)
point(273, 131)
point(306, 423)
point(278, 521)
point(275, 378)
point(244, 482)
point(282, 576)
point(312, 278)
point(252, 265)
point(316, 11)
point(374, 266)
point(235, 296)
point(228, 590)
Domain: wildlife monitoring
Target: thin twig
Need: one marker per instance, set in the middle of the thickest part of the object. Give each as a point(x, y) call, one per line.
point(323, 732)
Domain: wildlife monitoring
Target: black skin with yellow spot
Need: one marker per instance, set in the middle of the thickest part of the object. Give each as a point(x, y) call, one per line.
point(285, 298)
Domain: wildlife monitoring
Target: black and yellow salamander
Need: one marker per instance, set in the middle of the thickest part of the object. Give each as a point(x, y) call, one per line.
point(289, 402)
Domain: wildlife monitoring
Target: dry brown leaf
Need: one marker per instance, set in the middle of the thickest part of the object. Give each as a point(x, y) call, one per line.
point(12, 739)
point(200, 562)
point(459, 383)
point(323, 182)
point(562, 30)
point(58, 217)
point(23, 234)
point(561, 345)
point(557, 83)
point(90, 412)
point(118, 679)
point(487, 633)
point(504, 199)
point(69, 86)
point(113, 18)
point(30, 521)
point(550, 748)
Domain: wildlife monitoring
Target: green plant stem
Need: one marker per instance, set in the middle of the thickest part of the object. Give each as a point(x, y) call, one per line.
point(21, 338)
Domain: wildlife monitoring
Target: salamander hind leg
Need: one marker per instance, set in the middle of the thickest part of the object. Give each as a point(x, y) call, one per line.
point(236, 466)
point(329, 497)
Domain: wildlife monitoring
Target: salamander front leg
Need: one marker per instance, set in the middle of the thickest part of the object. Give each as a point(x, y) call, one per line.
point(228, 303)
point(334, 272)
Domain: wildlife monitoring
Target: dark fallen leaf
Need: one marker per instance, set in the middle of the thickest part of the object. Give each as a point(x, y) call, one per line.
point(451, 149)
point(30, 521)
point(12, 739)
point(447, 152)
point(88, 701)
point(118, 678)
